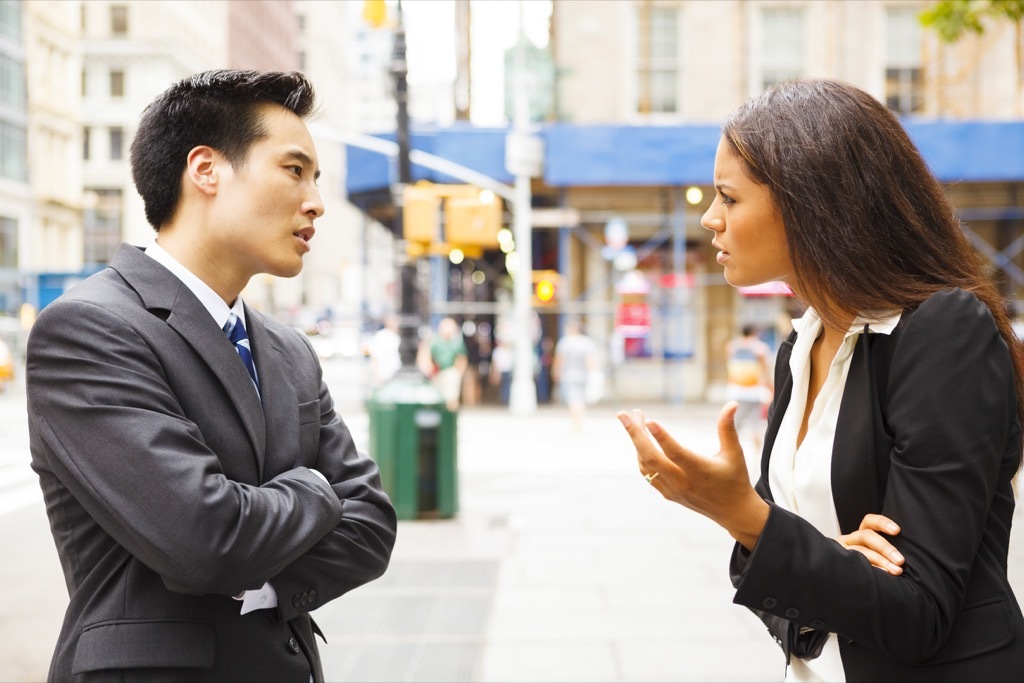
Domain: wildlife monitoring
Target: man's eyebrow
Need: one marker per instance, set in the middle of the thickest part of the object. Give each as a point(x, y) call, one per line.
point(305, 159)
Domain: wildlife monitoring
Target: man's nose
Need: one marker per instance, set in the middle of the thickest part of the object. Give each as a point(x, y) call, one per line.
point(314, 205)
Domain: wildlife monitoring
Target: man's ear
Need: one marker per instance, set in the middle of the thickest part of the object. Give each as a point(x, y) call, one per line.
point(203, 168)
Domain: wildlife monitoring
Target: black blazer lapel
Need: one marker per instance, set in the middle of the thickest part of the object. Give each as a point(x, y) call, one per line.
point(854, 472)
point(780, 401)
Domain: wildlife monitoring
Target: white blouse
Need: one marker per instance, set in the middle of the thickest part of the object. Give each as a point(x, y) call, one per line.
point(800, 478)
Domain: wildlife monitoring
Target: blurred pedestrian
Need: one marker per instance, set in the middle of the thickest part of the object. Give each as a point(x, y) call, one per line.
point(749, 383)
point(895, 432)
point(503, 360)
point(385, 360)
point(450, 358)
point(203, 494)
point(574, 365)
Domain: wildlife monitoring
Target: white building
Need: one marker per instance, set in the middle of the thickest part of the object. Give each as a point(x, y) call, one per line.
point(53, 241)
point(132, 51)
point(15, 199)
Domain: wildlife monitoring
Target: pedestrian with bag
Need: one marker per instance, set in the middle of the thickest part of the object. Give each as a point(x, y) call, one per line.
point(894, 435)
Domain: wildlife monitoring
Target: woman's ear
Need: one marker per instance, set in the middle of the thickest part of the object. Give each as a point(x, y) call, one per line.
point(202, 169)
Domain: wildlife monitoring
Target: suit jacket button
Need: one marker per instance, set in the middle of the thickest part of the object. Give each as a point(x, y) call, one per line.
point(818, 624)
point(296, 601)
point(293, 646)
point(769, 603)
point(312, 596)
point(792, 613)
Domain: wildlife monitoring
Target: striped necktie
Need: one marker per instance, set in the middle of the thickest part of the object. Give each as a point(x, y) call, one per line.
point(236, 333)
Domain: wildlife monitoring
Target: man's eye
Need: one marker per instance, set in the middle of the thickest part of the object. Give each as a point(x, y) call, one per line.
point(296, 169)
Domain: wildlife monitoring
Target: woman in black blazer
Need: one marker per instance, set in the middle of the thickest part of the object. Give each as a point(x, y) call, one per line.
point(895, 431)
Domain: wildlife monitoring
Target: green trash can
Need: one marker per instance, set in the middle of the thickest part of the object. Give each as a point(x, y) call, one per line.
point(413, 439)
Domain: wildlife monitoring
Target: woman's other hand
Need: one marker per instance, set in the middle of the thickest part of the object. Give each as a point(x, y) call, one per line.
point(717, 487)
point(869, 541)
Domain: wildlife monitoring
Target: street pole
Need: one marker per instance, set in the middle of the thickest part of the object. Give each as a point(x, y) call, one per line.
point(409, 318)
point(523, 392)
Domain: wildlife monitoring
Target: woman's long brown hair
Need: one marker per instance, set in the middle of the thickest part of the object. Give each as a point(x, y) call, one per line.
point(869, 228)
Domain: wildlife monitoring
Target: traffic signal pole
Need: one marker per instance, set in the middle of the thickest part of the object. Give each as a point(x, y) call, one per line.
point(409, 314)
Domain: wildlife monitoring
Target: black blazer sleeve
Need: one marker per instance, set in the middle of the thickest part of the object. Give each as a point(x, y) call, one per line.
point(951, 414)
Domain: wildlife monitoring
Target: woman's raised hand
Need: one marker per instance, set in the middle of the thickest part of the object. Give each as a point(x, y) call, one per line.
point(869, 541)
point(717, 487)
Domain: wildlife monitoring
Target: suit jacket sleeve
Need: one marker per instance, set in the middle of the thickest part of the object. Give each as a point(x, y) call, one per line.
point(952, 414)
point(358, 549)
point(118, 439)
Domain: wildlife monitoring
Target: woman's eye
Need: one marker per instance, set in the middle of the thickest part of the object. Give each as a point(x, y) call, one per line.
point(726, 199)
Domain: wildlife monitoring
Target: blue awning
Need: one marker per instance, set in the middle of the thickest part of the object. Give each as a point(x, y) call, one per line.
point(594, 155)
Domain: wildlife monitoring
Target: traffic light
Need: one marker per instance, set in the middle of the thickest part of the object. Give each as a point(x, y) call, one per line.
point(474, 220)
point(545, 287)
point(375, 13)
point(421, 213)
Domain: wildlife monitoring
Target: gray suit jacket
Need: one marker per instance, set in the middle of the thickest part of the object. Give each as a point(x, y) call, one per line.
point(171, 485)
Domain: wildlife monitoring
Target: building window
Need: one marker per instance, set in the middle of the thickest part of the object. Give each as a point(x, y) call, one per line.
point(102, 225)
point(119, 20)
point(116, 83)
point(116, 144)
point(12, 82)
point(13, 152)
point(10, 20)
point(782, 44)
point(904, 75)
point(8, 242)
point(658, 59)
point(86, 135)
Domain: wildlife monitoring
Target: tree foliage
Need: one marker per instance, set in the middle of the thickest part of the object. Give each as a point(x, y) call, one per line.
point(953, 18)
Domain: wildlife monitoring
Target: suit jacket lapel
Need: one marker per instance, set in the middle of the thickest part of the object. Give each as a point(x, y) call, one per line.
point(161, 290)
point(280, 403)
point(780, 401)
point(854, 475)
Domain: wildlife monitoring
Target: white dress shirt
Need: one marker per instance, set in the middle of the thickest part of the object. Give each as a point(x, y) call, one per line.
point(265, 597)
point(800, 477)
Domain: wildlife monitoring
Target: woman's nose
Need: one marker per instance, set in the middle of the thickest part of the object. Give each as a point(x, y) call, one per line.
point(711, 221)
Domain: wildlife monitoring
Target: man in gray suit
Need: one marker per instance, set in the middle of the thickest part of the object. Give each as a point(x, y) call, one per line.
point(204, 495)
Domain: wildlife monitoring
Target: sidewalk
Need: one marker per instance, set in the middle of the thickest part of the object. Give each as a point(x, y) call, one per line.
point(562, 565)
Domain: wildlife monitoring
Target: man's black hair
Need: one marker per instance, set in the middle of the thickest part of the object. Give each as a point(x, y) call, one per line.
point(219, 109)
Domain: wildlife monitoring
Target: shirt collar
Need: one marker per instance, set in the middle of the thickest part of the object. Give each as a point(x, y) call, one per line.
point(878, 323)
point(210, 299)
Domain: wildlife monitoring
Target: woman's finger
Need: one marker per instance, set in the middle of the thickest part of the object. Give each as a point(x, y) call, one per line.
point(647, 449)
point(877, 560)
point(873, 541)
point(880, 523)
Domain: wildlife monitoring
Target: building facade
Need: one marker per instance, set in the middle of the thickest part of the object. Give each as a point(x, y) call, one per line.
point(53, 241)
point(16, 207)
point(686, 64)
